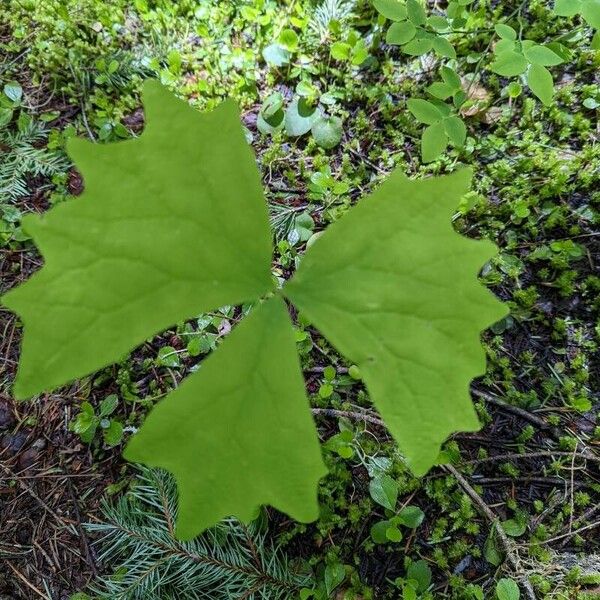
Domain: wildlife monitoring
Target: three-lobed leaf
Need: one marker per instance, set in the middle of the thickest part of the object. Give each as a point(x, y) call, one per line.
point(173, 224)
point(443, 127)
point(531, 59)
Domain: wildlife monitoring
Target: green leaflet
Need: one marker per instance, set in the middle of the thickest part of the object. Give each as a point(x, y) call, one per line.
point(540, 81)
point(173, 224)
point(170, 225)
point(433, 142)
point(406, 308)
point(589, 10)
point(244, 432)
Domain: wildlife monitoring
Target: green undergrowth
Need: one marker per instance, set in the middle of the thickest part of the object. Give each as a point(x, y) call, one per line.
point(75, 68)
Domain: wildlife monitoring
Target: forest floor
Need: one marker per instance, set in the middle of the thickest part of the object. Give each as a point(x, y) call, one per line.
point(519, 499)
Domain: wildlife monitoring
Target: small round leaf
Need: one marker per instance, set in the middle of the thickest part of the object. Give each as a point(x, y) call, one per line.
point(327, 131)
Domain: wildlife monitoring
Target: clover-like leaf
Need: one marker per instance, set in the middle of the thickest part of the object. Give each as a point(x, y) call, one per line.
point(406, 308)
point(238, 433)
point(171, 224)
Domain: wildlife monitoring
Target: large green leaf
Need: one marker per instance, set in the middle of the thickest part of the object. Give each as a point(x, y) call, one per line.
point(404, 306)
point(173, 224)
point(238, 433)
point(170, 224)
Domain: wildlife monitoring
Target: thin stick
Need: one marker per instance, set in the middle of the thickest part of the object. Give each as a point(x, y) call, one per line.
point(330, 412)
point(27, 583)
point(572, 502)
point(541, 453)
point(89, 554)
point(572, 533)
point(27, 489)
point(524, 414)
point(588, 514)
point(511, 555)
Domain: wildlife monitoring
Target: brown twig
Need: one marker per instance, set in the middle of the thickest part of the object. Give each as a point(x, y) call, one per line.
point(539, 454)
point(511, 554)
point(26, 582)
point(524, 414)
point(90, 559)
point(588, 514)
point(572, 533)
point(330, 412)
point(540, 480)
point(27, 489)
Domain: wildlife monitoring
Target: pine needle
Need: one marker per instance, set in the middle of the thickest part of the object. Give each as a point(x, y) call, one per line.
point(22, 158)
point(229, 561)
